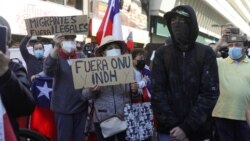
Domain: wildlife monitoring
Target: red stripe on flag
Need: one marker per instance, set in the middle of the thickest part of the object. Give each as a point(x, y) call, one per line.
point(43, 121)
point(109, 30)
point(130, 42)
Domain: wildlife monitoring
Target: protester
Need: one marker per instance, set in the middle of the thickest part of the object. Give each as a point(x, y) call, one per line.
point(79, 50)
point(184, 81)
point(108, 100)
point(89, 50)
point(34, 65)
point(34, 62)
point(70, 110)
point(15, 94)
point(230, 109)
point(142, 74)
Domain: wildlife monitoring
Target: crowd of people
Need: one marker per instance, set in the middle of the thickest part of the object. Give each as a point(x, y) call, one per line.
point(195, 92)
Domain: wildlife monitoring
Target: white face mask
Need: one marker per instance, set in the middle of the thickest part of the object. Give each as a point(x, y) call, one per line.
point(113, 52)
point(68, 46)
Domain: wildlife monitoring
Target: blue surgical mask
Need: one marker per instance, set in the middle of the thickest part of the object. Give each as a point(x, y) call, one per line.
point(38, 54)
point(235, 53)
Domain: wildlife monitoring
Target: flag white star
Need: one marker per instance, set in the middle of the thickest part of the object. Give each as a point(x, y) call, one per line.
point(44, 90)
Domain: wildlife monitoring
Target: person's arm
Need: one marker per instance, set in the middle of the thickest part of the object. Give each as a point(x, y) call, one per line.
point(14, 89)
point(23, 48)
point(209, 93)
point(50, 63)
point(222, 43)
point(162, 110)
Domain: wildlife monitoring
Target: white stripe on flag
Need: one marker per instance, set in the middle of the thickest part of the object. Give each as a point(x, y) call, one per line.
point(117, 27)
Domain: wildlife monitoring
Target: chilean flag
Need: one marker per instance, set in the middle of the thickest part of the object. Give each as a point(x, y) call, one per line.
point(130, 43)
point(42, 119)
point(111, 22)
point(6, 130)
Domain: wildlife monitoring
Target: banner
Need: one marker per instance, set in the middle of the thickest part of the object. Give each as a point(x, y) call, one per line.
point(53, 25)
point(102, 71)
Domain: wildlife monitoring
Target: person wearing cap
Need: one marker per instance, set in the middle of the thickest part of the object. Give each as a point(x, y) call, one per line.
point(70, 110)
point(14, 90)
point(108, 100)
point(34, 62)
point(185, 84)
point(234, 77)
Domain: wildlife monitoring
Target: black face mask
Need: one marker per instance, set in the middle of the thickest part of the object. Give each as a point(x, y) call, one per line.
point(181, 35)
point(140, 64)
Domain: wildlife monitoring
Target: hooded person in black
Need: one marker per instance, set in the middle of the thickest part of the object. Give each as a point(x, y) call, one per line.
point(185, 81)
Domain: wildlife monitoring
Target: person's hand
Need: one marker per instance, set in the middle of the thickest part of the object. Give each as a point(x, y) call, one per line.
point(134, 87)
point(32, 77)
point(177, 134)
point(248, 113)
point(58, 38)
point(95, 88)
point(4, 63)
point(146, 79)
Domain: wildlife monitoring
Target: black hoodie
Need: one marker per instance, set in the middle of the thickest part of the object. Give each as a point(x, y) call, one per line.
point(191, 20)
point(185, 85)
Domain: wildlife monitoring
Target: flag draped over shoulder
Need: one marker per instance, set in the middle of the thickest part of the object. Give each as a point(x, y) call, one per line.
point(130, 43)
point(6, 130)
point(111, 22)
point(41, 89)
point(42, 119)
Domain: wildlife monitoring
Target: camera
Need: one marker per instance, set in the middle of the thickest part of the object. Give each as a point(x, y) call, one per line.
point(235, 35)
point(234, 30)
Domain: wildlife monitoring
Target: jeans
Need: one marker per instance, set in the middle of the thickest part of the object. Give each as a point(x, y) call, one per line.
point(232, 130)
point(70, 126)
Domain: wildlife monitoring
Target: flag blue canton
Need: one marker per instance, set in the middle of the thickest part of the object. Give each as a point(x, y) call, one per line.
point(130, 36)
point(41, 89)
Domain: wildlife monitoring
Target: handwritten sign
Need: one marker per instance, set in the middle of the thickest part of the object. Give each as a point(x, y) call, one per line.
point(53, 25)
point(102, 71)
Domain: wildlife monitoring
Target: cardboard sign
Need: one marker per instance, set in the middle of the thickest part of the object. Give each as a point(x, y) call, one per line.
point(53, 25)
point(102, 71)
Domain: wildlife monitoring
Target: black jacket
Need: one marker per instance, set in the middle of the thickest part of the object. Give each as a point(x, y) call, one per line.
point(185, 88)
point(15, 94)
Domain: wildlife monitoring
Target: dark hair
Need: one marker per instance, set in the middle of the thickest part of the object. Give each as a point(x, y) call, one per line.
point(37, 42)
point(5, 23)
point(137, 51)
